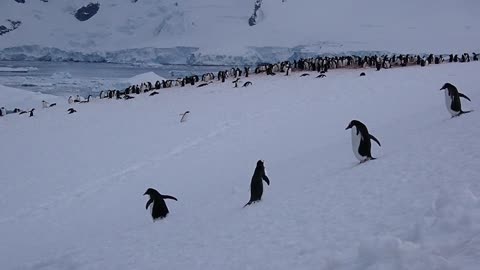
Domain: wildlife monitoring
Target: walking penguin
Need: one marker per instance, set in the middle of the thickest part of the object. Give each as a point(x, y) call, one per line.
point(256, 186)
point(159, 208)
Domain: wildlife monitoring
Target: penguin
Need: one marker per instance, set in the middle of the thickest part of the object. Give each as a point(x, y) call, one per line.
point(70, 100)
point(159, 208)
point(77, 99)
point(52, 105)
point(202, 85)
point(321, 76)
point(31, 112)
point(236, 82)
point(362, 74)
point(86, 101)
point(100, 96)
point(256, 186)
point(184, 116)
point(153, 93)
point(45, 104)
point(71, 110)
point(3, 111)
point(452, 100)
point(361, 141)
point(304, 74)
point(247, 84)
point(127, 97)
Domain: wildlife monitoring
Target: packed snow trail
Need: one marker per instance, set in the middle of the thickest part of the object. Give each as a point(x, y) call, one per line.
point(72, 185)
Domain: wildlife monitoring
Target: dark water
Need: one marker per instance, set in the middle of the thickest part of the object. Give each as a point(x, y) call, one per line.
point(70, 78)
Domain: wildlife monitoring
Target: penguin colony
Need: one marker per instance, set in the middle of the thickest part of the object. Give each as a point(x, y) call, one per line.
point(320, 64)
point(361, 138)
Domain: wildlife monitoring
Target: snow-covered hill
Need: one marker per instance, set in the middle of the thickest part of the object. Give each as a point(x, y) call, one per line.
point(217, 31)
point(72, 185)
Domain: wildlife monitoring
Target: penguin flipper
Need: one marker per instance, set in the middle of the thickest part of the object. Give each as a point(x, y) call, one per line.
point(265, 178)
point(465, 97)
point(169, 197)
point(148, 203)
point(375, 139)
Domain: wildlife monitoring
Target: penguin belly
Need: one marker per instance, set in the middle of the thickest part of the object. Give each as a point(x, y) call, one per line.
point(448, 103)
point(356, 139)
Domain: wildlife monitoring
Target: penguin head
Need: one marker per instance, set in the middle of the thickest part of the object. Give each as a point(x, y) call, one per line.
point(260, 163)
point(447, 86)
point(152, 192)
point(352, 124)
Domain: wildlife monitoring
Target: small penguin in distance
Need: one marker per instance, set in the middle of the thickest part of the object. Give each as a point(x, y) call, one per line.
point(184, 116)
point(322, 75)
point(159, 208)
point(361, 144)
point(246, 84)
point(256, 185)
point(31, 112)
point(71, 110)
point(452, 100)
point(236, 82)
point(304, 75)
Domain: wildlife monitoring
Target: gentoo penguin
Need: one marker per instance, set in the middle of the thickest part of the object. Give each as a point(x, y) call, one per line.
point(45, 104)
point(361, 144)
point(127, 97)
point(202, 85)
point(256, 186)
point(362, 74)
point(3, 111)
point(153, 93)
point(236, 82)
point(77, 99)
point(452, 100)
point(70, 100)
point(184, 116)
point(86, 101)
point(247, 84)
point(322, 75)
point(71, 110)
point(159, 208)
point(31, 112)
point(304, 74)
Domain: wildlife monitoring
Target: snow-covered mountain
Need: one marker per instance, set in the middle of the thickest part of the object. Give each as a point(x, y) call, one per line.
point(218, 31)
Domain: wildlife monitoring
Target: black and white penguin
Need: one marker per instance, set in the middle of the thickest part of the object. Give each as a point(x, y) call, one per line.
point(45, 104)
point(71, 110)
point(236, 82)
point(202, 85)
point(70, 100)
point(77, 99)
point(322, 75)
point(87, 100)
point(3, 111)
point(159, 208)
point(153, 93)
point(246, 84)
point(31, 112)
point(304, 75)
point(361, 144)
point(184, 116)
point(256, 186)
point(452, 100)
point(362, 74)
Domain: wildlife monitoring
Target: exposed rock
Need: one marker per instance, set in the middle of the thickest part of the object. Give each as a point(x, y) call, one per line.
point(87, 12)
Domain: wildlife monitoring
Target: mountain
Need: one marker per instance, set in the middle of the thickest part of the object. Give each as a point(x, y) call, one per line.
point(221, 28)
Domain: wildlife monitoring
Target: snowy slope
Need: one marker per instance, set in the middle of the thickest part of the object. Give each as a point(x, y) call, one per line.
point(16, 98)
point(213, 30)
point(72, 185)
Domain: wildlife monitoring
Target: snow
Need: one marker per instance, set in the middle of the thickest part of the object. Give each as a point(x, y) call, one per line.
point(151, 77)
point(11, 98)
point(217, 31)
point(72, 185)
